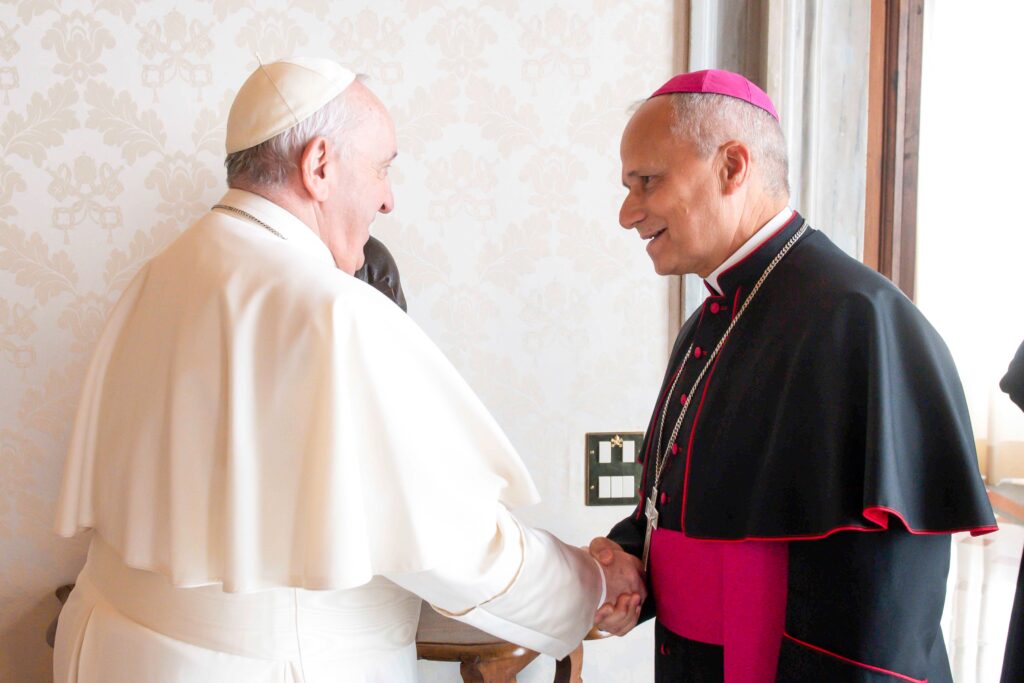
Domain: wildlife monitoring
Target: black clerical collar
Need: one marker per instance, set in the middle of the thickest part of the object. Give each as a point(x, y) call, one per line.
point(745, 271)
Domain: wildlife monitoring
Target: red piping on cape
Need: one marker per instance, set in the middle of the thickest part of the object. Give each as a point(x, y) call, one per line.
point(872, 515)
point(878, 515)
point(854, 662)
point(700, 318)
point(975, 531)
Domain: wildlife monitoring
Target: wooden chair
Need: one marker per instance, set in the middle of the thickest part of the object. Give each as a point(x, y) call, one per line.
point(482, 658)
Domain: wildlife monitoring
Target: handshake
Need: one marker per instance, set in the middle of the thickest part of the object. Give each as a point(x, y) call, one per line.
point(626, 591)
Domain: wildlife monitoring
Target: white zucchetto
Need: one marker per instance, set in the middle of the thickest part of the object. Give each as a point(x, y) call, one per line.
point(280, 95)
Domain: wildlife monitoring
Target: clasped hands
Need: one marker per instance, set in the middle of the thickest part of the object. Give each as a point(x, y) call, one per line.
point(626, 590)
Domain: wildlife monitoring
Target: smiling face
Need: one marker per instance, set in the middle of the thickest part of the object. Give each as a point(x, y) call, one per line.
point(675, 198)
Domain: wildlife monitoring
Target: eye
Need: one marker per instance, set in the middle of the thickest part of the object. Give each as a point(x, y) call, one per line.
point(643, 182)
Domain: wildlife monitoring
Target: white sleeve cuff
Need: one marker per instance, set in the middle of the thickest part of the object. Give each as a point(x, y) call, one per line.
point(477, 573)
point(550, 605)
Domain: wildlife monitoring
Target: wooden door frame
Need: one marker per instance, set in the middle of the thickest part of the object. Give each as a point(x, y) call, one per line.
point(894, 117)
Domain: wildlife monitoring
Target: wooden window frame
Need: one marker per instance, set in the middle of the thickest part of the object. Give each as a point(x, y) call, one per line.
point(894, 117)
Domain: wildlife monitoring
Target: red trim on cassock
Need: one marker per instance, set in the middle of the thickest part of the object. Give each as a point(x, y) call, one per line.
point(657, 411)
point(650, 431)
point(693, 430)
point(855, 662)
point(700, 318)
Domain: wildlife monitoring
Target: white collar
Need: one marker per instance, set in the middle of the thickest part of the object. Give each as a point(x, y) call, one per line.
point(748, 247)
point(295, 232)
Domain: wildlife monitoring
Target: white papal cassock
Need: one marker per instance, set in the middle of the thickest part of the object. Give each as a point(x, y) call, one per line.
point(276, 462)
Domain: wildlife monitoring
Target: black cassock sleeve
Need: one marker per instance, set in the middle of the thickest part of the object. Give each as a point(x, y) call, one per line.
point(864, 607)
point(629, 533)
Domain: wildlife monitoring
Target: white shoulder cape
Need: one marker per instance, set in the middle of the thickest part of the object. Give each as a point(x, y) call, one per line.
point(254, 416)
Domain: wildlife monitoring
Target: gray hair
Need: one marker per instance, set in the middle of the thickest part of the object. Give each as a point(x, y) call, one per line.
point(710, 120)
point(269, 163)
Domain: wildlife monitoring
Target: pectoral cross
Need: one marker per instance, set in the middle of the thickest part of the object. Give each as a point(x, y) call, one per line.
point(651, 512)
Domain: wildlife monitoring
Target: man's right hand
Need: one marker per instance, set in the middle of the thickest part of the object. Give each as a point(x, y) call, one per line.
point(624, 579)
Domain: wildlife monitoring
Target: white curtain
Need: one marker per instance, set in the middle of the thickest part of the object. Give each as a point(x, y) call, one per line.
point(970, 228)
point(970, 240)
point(979, 596)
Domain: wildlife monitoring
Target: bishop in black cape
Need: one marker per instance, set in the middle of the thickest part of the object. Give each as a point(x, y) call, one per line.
point(832, 421)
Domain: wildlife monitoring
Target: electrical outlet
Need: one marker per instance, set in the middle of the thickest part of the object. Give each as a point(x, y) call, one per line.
point(613, 471)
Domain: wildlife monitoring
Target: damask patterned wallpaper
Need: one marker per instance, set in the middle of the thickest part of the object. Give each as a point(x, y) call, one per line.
point(508, 115)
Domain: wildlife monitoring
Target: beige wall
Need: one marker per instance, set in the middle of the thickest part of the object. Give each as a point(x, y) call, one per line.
point(507, 189)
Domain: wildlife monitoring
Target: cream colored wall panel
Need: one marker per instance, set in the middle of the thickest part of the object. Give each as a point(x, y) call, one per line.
point(505, 227)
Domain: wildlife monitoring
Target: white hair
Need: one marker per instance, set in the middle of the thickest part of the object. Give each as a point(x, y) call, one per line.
point(269, 163)
point(710, 120)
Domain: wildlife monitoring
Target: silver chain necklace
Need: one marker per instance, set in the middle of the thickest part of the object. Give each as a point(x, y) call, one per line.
point(661, 457)
point(246, 214)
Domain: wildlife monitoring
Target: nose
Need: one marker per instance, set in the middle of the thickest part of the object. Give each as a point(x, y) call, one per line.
point(631, 213)
point(389, 201)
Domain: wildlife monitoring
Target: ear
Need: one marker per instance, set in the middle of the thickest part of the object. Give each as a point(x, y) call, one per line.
point(314, 166)
point(735, 168)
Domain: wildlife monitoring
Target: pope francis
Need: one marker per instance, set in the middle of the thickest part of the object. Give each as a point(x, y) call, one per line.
point(276, 463)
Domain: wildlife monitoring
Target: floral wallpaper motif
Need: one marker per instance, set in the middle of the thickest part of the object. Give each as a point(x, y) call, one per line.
point(78, 41)
point(505, 227)
point(80, 189)
point(175, 48)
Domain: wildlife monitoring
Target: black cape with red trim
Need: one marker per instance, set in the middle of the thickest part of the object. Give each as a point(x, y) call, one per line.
point(833, 405)
point(833, 408)
point(1013, 659)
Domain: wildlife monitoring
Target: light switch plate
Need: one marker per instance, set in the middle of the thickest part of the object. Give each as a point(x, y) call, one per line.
point(611, 478)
